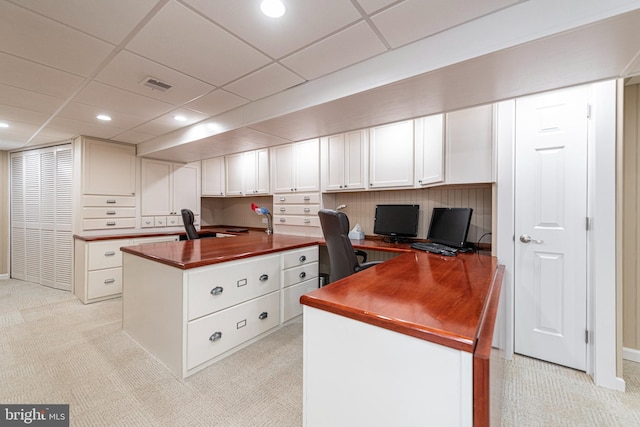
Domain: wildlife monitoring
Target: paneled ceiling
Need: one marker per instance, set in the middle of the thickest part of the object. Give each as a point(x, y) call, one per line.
point(243, 80)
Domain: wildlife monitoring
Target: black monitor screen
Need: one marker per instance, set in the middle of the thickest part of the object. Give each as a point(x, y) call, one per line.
point(449, 226)
point(396, 220)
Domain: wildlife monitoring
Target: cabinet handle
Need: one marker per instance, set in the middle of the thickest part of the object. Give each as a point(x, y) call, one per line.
point(216, 336)
point(307, 210)
point(307, 221)
point(111, 223)
point(111, 212)
point(283, 209)
point(292, 189)
point(283, 199)
point(217, 290)
point(263, 315)
point(110, 253)
point(111, 201)
point(264, 278)
point(307, 198)
point(283, 220)
point(108, 281)
point(302, 275)
point(302, 258)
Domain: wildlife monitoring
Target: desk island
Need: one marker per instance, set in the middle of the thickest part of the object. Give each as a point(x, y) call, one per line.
point(407, 342)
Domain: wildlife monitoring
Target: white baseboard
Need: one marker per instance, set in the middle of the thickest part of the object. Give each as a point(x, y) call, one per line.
point(631, 354)
point(4, 276)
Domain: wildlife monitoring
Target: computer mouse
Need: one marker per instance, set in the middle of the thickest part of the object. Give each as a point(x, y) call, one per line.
point(448, 253)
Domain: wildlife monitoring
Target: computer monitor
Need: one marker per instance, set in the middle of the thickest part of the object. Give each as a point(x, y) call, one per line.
point(397, 222)
point(449, 226)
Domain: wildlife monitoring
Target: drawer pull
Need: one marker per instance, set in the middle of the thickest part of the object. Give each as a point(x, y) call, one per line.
point(110, 253)
point(264, 278)
point(302, 275)
point(283, 220)
point(302, 258)
point(111, 201)
point(307, 210)
point(263, 315)
point(307, 198)
point(283, 199)
point(111, 212)
point(108, 281)
point(307, 221)
point(283, 209)
point(217, 290)
point(111, 223)
point(216, 336)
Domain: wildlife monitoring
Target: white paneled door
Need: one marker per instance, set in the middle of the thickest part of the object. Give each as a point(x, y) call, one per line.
point(550, 227)
point(41, 216)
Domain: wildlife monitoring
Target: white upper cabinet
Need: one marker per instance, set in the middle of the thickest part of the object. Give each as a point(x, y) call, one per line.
point(296, 167)
point(469, 152)
point(247, 173)
point(391, 155)
point(429, 146)
point(168, 187)
point(345, 161)
point(108, 168)
point(213, 177)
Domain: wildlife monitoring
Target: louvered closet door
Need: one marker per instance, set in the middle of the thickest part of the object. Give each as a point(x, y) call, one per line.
point(41, 215)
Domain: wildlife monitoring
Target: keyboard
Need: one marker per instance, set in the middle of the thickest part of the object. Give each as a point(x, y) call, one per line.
point(435, 248)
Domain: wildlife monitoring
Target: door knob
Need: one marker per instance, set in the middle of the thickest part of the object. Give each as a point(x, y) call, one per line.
point(527, 239)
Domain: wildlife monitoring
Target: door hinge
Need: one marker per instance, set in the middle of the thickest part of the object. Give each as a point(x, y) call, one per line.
point(588, 111)
point(587, 223)
point(586, 336)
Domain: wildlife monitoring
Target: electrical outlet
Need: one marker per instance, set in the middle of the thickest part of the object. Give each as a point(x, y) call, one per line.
point(265, 220)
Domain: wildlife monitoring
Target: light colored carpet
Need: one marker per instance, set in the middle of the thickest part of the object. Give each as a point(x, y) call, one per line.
point(54, 349)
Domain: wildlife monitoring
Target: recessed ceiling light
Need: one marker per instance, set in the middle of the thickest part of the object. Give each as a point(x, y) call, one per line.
point(180, 118)
point(103, 117)
point(4, 125)
point(272, 8)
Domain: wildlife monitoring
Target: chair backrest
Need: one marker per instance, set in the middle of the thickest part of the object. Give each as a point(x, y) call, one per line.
point(342, 258)
point(187, 220)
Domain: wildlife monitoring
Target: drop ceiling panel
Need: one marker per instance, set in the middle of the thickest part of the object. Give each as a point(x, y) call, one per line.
point(216, 102)
point(114, 99)
point(303, 23)
point(133, 137)
point(37, 78)
point(371, 6)
point(127, 70)
point(345, 48)
point(187, 42)
point(28, 100)
point(97, 130)
point(19, 115)
point(267, 81)
point(87, 113)
point(109, 20)
point(415, 19)
point(28, 35)
point(168, 123)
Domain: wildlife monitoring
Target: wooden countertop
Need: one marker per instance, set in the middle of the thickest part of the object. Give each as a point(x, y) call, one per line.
point(197, 253)
point(432, 297)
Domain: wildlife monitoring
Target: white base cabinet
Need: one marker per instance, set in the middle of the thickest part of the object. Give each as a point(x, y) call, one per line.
point(189, 319)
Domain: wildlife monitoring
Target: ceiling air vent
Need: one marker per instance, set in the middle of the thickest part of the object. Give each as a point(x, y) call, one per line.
point(156, 84)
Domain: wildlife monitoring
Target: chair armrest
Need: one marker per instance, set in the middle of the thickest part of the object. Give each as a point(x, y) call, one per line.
point(366, 265)
point(361, 253)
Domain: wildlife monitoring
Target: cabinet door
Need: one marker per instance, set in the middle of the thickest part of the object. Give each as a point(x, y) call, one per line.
point(262, 171)
point(283, 168)
point(335, 148)
point(429, 150)
point(186, 188)
point(156, 187)
point(470, 145)
point(213, 177)
point(108, 168)
point(307, 165)
point(354, 163)
point(234, 174)
point(249, 172)
point(391, 157)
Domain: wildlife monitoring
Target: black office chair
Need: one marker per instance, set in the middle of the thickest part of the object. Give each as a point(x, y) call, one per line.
point(187, 220)
point(343, 260)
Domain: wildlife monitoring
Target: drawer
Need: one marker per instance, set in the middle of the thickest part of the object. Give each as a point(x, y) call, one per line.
point(109, 201)
point(298, 199)
point(108, 212)
point(106, 254)
point(175, 220)
point(159, 239)
point(298, 274)
point(102, 283)
point(297, 209)
point(310, 221)
point(299, 257)
point(108, 223)
point(291, 306)
point(218, 287)
point(147, 221)
point(217, 333)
